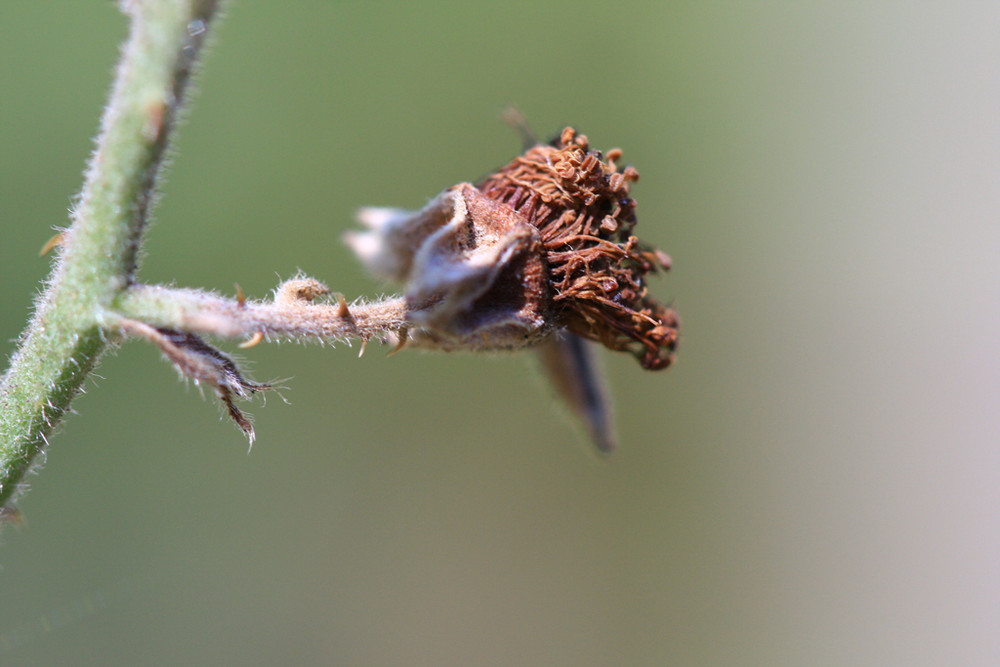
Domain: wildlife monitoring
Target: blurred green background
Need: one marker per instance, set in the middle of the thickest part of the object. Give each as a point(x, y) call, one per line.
point(815, 482)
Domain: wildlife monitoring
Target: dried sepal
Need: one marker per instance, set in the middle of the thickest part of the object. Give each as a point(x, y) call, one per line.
point(205, 365)
point(569, 364)
point(479, 281)
point(392, 236)
point(474, 270)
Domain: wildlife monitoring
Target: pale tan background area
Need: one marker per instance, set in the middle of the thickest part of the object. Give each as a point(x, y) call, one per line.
point(817, 482)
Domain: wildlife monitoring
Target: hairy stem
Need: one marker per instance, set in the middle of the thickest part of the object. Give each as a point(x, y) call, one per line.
point(176, 319)
point(290, 315)
point(65, 339)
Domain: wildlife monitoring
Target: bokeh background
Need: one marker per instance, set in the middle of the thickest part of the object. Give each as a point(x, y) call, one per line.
point(815, 482)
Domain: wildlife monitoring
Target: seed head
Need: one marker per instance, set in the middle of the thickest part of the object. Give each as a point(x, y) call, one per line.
point(543, 244)
point(538, 254)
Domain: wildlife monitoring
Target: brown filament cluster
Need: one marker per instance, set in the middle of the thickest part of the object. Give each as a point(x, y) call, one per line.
point(579, 202)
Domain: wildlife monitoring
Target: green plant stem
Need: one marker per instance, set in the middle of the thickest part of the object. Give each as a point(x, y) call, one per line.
point(65, 338)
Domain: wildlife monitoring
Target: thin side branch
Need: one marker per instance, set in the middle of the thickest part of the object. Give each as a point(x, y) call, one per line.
point(292, 314)
point(175, 320)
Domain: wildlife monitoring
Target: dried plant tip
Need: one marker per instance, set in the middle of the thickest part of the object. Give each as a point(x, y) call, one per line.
point(199, 361)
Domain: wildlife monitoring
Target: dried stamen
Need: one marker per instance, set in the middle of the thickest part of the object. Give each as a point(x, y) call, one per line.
point(581, 206)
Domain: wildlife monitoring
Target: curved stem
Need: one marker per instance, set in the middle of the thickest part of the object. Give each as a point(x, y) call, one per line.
point(64, 340)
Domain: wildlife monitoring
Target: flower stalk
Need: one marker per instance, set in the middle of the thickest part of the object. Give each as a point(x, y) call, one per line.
point(293, 314)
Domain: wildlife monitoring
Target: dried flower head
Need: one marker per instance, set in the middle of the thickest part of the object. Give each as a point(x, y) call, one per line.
point(539, 254)
point(543, 244)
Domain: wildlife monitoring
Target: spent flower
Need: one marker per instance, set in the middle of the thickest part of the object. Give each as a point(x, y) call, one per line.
point(542, 245)
point(539, 254)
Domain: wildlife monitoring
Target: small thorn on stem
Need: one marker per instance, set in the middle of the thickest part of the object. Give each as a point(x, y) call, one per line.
point(364, 346)
point(253, 341)
point(241, 298)
point(342, 310)
point(404, 337)
point(52, 243)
